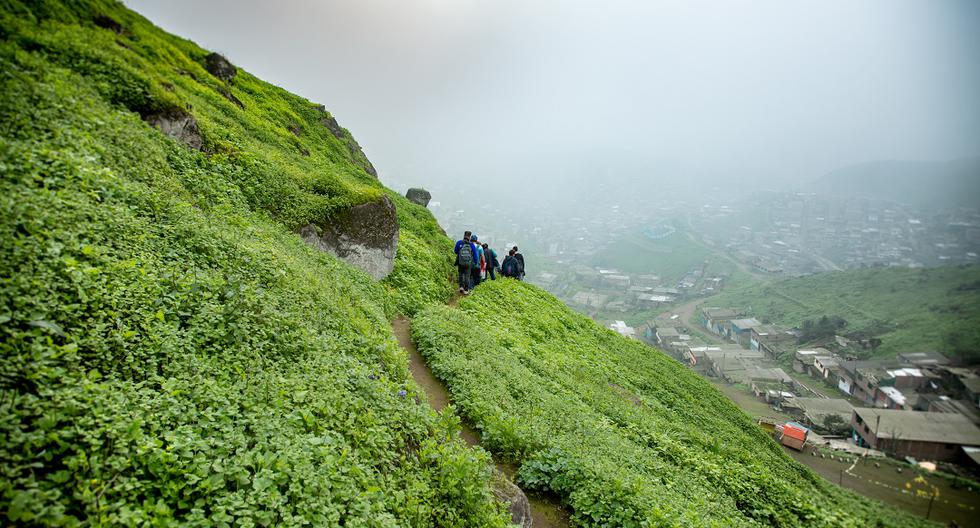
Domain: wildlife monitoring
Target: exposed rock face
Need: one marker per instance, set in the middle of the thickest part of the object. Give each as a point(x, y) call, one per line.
point(365, 236)
point(179, 125)
point(419, 196)
point(107, 22)
point(226, 93)
point(220, 67)
point(507, 492)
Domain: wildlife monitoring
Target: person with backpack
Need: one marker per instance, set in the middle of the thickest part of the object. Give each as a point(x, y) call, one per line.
point(465, 260)
point(492, 262)
point(520, 260)
point(511, 267)
point(480, 261)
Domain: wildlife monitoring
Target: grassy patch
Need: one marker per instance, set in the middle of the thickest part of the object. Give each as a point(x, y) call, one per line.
point(172, 352)
point(908, 309)
point(623, 434)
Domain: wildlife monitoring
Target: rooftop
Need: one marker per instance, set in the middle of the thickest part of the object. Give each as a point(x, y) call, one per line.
point(924, 358)
point(823, 406)
point(945, 428)
point(747, 323)
point(720, 313)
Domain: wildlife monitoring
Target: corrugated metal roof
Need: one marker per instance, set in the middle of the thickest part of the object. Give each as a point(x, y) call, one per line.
point(944, 428)
point(794, 432)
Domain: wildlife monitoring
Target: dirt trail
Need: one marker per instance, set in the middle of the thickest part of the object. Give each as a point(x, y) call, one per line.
point(546, 512)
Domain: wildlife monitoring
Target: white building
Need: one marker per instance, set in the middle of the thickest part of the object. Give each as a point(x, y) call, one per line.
point(622, 329)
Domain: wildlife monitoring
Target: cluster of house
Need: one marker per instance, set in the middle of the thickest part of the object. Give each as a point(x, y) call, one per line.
point(917, 405)
point(612, 290)
point(850, 232)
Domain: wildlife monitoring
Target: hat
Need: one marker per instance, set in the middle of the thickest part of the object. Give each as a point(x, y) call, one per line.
point(473, 237)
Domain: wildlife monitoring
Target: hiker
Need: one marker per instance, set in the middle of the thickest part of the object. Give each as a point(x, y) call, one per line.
point(479, 261)
point(520, 258)
point(511, 267)
point(465, 260)
point(492, 262)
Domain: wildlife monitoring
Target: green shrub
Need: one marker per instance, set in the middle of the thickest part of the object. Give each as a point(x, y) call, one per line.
point(623, 434)
point(172, 352)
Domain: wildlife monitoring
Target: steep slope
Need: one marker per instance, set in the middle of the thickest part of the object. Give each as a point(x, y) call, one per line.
point(172, 351)
point(621, 432)
point(908, 309)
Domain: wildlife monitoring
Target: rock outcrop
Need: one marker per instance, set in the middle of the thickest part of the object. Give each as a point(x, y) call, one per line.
point(365, 236)
point(517, 504)
point(107, 22)
point(220, 67)
point(179, 125)
point(419, 196)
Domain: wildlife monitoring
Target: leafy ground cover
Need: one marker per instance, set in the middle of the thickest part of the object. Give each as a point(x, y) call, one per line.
point(671, 258)
point(172, 353)
point(623, 434)
point(908, 309)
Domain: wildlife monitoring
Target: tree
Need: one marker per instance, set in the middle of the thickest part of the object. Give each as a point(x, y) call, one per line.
point(834, 424)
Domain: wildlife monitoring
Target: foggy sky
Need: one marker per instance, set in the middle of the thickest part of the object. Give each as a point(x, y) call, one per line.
point(436, 90)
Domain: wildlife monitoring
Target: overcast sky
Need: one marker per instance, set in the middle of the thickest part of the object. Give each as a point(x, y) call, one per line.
point(440, 89)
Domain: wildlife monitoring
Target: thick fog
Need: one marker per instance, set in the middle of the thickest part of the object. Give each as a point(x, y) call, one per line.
point(534, 94)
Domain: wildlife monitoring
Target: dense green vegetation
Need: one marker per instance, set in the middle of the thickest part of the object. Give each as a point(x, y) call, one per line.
point(622, 433)
point(671, 258)
point(171, 350)
point(907, 309)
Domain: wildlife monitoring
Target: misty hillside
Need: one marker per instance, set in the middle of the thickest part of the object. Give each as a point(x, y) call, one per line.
point(922, 183)
point(177, 349)
point(910, 310)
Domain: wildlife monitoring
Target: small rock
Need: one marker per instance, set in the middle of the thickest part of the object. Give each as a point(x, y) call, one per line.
point(220, 67)
point(179, 125)
point(507, 492)
point(419, 196)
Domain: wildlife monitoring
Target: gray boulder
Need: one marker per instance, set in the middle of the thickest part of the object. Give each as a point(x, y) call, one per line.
point(220, 67)
point(365, 236)
point(179, 125)
point(419, 196)
point(517, 504)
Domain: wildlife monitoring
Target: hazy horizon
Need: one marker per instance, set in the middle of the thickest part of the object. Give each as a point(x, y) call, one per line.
point(764, 91)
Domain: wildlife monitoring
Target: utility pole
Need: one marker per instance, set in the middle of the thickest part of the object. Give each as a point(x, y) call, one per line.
point(931, 500)
point(877, 423)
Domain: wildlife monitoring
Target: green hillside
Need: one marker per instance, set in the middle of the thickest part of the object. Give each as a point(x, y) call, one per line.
point(671, 258)
point(623, 433)
point(174, 353)
point(908, 309)
point(171, 349)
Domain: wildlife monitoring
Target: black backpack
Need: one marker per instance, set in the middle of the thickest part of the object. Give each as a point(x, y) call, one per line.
point(511, 266)
point(465, 254)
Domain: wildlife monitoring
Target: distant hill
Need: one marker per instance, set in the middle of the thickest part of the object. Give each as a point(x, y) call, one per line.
point(908, 309)
point(922, 183)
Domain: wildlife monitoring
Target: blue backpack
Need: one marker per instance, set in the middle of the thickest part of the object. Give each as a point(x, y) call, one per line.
point(465, 254)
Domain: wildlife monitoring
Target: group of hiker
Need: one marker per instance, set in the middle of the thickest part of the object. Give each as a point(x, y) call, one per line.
point(477, 262)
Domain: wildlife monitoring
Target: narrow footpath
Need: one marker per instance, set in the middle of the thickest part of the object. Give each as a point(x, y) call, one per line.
point(538, 511)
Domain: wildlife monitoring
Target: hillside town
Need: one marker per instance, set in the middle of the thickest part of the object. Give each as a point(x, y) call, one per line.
point(920, 406)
